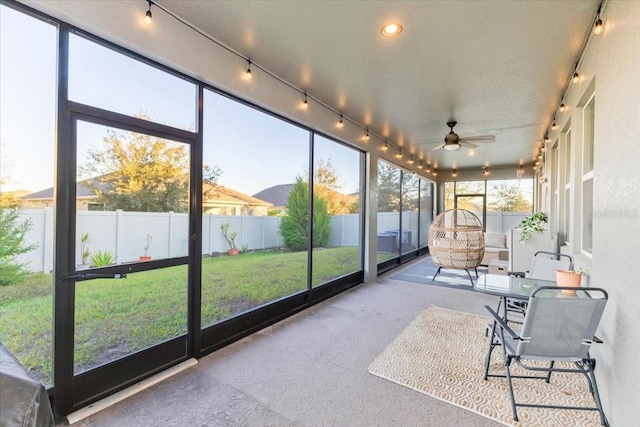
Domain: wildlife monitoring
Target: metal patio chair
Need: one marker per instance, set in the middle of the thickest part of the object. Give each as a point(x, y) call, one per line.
point(557, 327)
point(543, 267)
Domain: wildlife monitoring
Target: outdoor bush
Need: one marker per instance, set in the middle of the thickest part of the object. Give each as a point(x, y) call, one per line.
point(101, 259)
point(295, 225)
point(12, 244)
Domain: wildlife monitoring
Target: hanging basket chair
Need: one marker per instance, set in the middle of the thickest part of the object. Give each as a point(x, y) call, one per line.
point(456, 240)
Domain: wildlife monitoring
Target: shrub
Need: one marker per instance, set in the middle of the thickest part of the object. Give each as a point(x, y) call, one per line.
point(102, 259)
point(12, 244)
point(294, 226)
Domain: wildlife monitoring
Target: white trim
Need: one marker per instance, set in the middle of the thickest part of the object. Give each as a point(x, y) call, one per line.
point(98, 406)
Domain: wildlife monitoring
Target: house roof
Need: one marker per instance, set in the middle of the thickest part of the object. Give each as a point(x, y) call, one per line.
point(276, 195)
point(219, 194)
point(228, 195)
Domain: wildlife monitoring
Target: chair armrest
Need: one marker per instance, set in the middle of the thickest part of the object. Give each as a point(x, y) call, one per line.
point(502, 323)
point(517, 273)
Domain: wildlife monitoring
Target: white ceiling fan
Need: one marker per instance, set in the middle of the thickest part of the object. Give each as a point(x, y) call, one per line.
point(453, 142)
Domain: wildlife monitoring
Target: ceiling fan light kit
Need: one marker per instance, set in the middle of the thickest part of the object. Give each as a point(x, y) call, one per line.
point(453, 142)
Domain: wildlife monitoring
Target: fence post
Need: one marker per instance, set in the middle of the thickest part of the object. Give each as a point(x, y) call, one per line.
point(169, 234)
point(47, 241)
point(119, 233)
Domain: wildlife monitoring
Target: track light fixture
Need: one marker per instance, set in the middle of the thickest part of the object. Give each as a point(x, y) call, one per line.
point(428, 169)
point(366, 137)
point(340, 123)
point(399, 155)
point(411, 160)
point(420, 165)
point(454, 174)
point(248, 69)
point(546, 141)
point(485, 171)
point(148, 16)
point(305, 102)
point(435, 172)
point(386, 146)
point(554, 126)
point(576, 77)
point(597, 26)
point(563, 107)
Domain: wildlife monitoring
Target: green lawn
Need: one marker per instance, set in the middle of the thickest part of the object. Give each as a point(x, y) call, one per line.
point(119, 317)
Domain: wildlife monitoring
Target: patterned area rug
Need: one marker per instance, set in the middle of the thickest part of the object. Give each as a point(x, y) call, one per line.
point(441, 354)
point(423, 272)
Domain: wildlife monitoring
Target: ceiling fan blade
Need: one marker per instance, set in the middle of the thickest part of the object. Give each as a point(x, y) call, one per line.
point(438, 147)
point(479, 138)
point(467, 144)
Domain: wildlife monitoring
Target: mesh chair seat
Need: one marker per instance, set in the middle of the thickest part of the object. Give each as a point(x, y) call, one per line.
point(556, 327)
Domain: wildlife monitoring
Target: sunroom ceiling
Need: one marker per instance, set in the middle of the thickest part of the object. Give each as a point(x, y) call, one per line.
point(497, 67)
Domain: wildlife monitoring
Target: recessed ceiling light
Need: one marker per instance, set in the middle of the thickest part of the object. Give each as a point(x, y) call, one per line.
point(391, 30)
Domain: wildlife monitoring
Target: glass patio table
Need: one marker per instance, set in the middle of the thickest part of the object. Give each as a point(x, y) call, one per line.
point(509, 287)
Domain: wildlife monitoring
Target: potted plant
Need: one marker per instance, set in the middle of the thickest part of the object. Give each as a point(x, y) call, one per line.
point(531, 225)
point(230, 237)
point(145, 257)
point(569, 278)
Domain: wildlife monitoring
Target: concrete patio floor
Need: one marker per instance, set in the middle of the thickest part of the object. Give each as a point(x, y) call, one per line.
point(308, 370)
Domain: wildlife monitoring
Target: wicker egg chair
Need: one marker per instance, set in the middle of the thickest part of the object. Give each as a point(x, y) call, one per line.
point(456, 240)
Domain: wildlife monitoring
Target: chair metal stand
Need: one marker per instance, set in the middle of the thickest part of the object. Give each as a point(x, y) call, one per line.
point(466, 269)
point(516, 346)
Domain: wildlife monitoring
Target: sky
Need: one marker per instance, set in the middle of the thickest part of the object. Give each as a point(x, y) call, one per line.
point(253, 150)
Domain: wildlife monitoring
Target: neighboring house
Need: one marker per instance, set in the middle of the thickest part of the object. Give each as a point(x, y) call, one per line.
point(279, 194)
point(85, 199)
point(220, 200)
point(225, 201)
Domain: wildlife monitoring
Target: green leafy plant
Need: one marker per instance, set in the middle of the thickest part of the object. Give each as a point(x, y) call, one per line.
point(84, 247)
point(230, 237)
point(12, 244)
point(295, 225)
point(531, 225)
point(245, 248)
point(102, 259)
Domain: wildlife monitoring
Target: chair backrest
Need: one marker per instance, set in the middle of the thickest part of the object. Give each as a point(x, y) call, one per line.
point(561, 326)
point(545, 264)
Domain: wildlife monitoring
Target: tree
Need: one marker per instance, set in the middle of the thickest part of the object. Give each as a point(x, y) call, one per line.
point(388, 188)
point(294, 226)
point(326, 182)
point(7, 199)
point(508, 198)
point(12, 244)
point(139, 172)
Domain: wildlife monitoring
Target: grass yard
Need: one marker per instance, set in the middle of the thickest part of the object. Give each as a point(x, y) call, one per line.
point(119, 317)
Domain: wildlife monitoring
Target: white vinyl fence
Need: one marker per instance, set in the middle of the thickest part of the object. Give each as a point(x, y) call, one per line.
point(124, 234)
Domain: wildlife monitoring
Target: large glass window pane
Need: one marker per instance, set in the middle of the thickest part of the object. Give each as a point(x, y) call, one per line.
point(256, 191)
point(567, 158)
point(107, 79)
point(587, 215)
point(589, 123)
point(132, 197)
point(426, 211)
point(115, 318)
point(410, 206)
point(27, 115)
point(389, 182)
point(449, 195)
point(508, 202)
point(337, 230)
point(470, 187)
